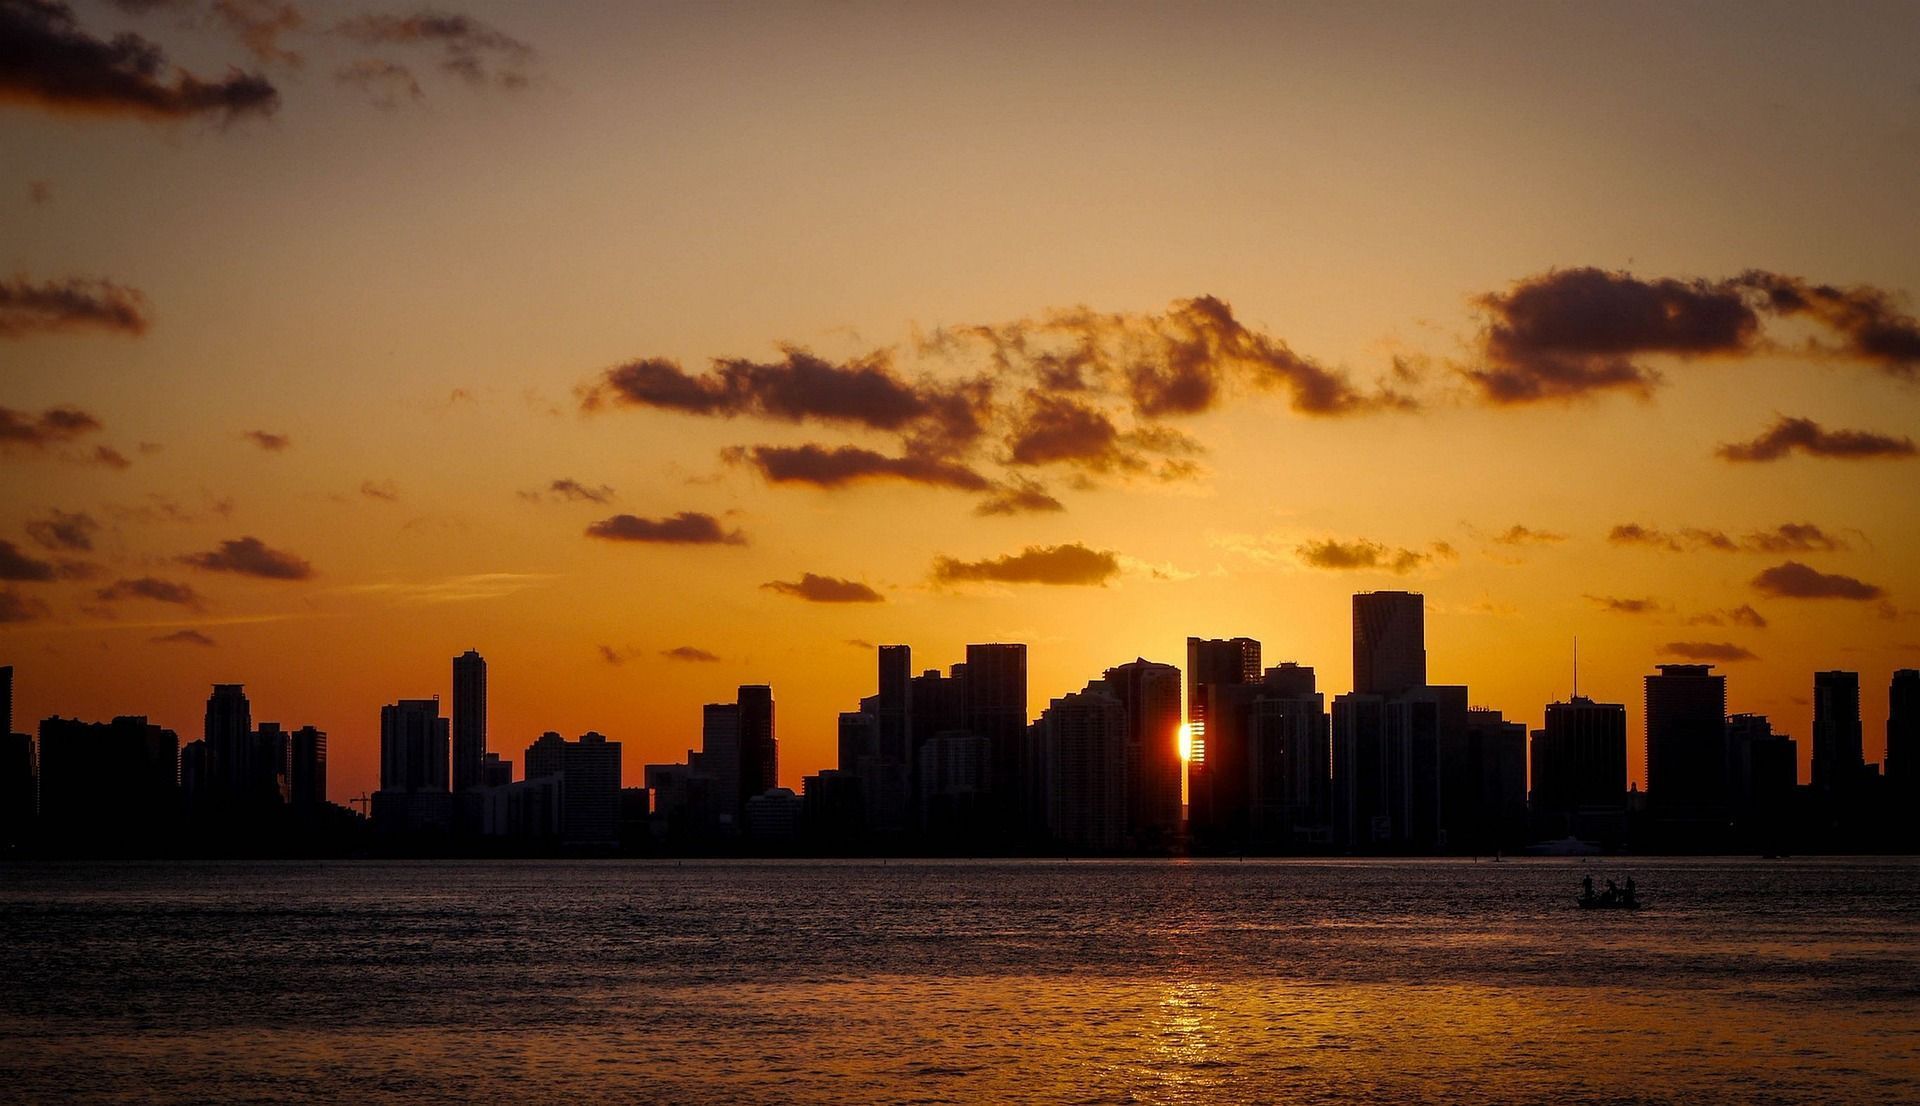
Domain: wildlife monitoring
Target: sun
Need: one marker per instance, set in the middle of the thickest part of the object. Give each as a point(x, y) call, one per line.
point(1186, 741)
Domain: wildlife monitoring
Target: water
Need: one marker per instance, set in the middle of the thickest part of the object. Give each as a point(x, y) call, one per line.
point(960, 982)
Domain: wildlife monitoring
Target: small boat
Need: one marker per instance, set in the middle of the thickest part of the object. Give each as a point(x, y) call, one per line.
point(1601, 902)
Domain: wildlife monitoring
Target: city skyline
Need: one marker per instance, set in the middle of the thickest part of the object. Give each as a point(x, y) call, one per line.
point(544, 351)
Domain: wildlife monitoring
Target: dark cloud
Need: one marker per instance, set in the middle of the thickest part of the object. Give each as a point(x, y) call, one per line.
point(837, 466)
point(685, 528)
point(1578, 332)
point(384, 490)
point(573, 491)
point(50, 306)
point(1617, 605)
point(1793, 580)
point(469, 49)
point(1788, 435)
point(149, 587)
point(1706, 651)
point(866, 392)
point(1742, 615)
point(1359, 555)
point(386, 84)
point(1788, 537)
point(612, 655)
point(15, 565)
point(1865, 319)
point(269, 441)
point(258, 24)
point(15, 607)
point(248, 556)
point(48, 62)
point(689, 653)
point(71, 531)
point(1524, 535)
point(1071, 564)
point(1017, 498)
point(825, 589)
point(183, 637)
point(54, 426)
point(110, 457)
point(1574, 332)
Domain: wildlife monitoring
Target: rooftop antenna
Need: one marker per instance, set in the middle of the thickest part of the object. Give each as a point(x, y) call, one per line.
point(1576, 666)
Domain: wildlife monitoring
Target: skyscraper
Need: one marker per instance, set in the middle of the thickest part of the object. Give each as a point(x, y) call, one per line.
point(719, 761)
point(1289, 789)
point(589, 772)
point(759, 748)
point(1213, 661)
point(1903, 732)
point(413, 746)
point(307, 770)
point(1838, 762)
point(1362, 784)
point(1763, 769)
point(229, 736)
point(107, 785)
point(1083, 740)
point(1580, 772)
point(1687, 753)
point(1389, 642)
point(1150, 693)
point(469, 720)
point(996, 698)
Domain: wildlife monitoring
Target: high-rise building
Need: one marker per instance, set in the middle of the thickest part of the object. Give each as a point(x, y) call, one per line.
point(1425, 728)
point(1083, 741)
point(107, 785)
point(996, 709)
point(228, 732)
point(759, 748)
point(1763, 770)
point(1903, 733)
point(1150, 693)
point(307, 770)
point(19, 798)
point(495, 771)
point(1288, 772)
point(1363, 792)
point(1687, 749)
point(413, 746)
point(1496, 786)
point(1210, 662)
point(589, 771)
point(1838, 762)
point(1580, 772)
point(272, 755)
point(719, 761)
point(1389, 642)
point(469, 720)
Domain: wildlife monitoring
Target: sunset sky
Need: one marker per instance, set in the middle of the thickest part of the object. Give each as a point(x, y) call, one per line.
point(655, 350)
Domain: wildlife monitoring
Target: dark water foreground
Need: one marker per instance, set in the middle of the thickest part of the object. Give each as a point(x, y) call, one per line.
point(1151, 981)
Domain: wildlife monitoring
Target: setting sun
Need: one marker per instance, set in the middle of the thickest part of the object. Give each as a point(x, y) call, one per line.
point(1186, 741)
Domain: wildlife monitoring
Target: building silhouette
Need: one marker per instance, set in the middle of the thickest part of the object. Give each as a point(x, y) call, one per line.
point(469, 720)
point(1493, 787)
point(1389, 642)
point(414, 795)
point(892, 779)
point(1150, 694)
point(1903, 734)
point(759, 748)
point(1763, 771)
point(1212, 663)
point(1082, 743)
point(307, 767)
point(233, 774)
point(996, 711)
point(1687, 754)
point(719, 761)
point(1580, 772)
point(107, 786)
point(1425, 727)
point(1289, 800)
point(19, 775)
point(1838, 761)
point(589, 773)
point(1364, 792)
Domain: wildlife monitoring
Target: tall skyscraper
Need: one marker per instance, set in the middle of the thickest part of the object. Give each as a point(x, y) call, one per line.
point(759, 748)
point(229, 736)
point(1363, 799)
point(1389, 642)
point(272, 754)
point(719, 761)
point(469, 720)
point(107, 785)
point(1497, 755)
point(1288, 773)
point(1212, 661)
point(1903, 732)
point(996, 698)
point(1838, 762)
point(1687, 753)
point(1763, 770)
point(1580, 771)
point(413, 746)
point(893, 710)
point(1150, 693)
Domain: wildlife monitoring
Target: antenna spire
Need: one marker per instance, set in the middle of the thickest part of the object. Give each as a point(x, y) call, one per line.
point(1576, 666)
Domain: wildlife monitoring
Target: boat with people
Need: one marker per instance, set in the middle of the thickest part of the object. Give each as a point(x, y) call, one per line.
point(1614, 897)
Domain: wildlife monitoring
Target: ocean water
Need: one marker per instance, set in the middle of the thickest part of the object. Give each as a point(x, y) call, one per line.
point(1149, 981)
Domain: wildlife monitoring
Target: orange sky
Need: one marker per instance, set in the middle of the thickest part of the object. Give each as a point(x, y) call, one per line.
point(1486, 268)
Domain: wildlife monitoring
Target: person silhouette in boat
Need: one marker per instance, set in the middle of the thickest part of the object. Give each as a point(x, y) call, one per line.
point(1612, 895)
point(1628, 895)
point(1586, 889)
